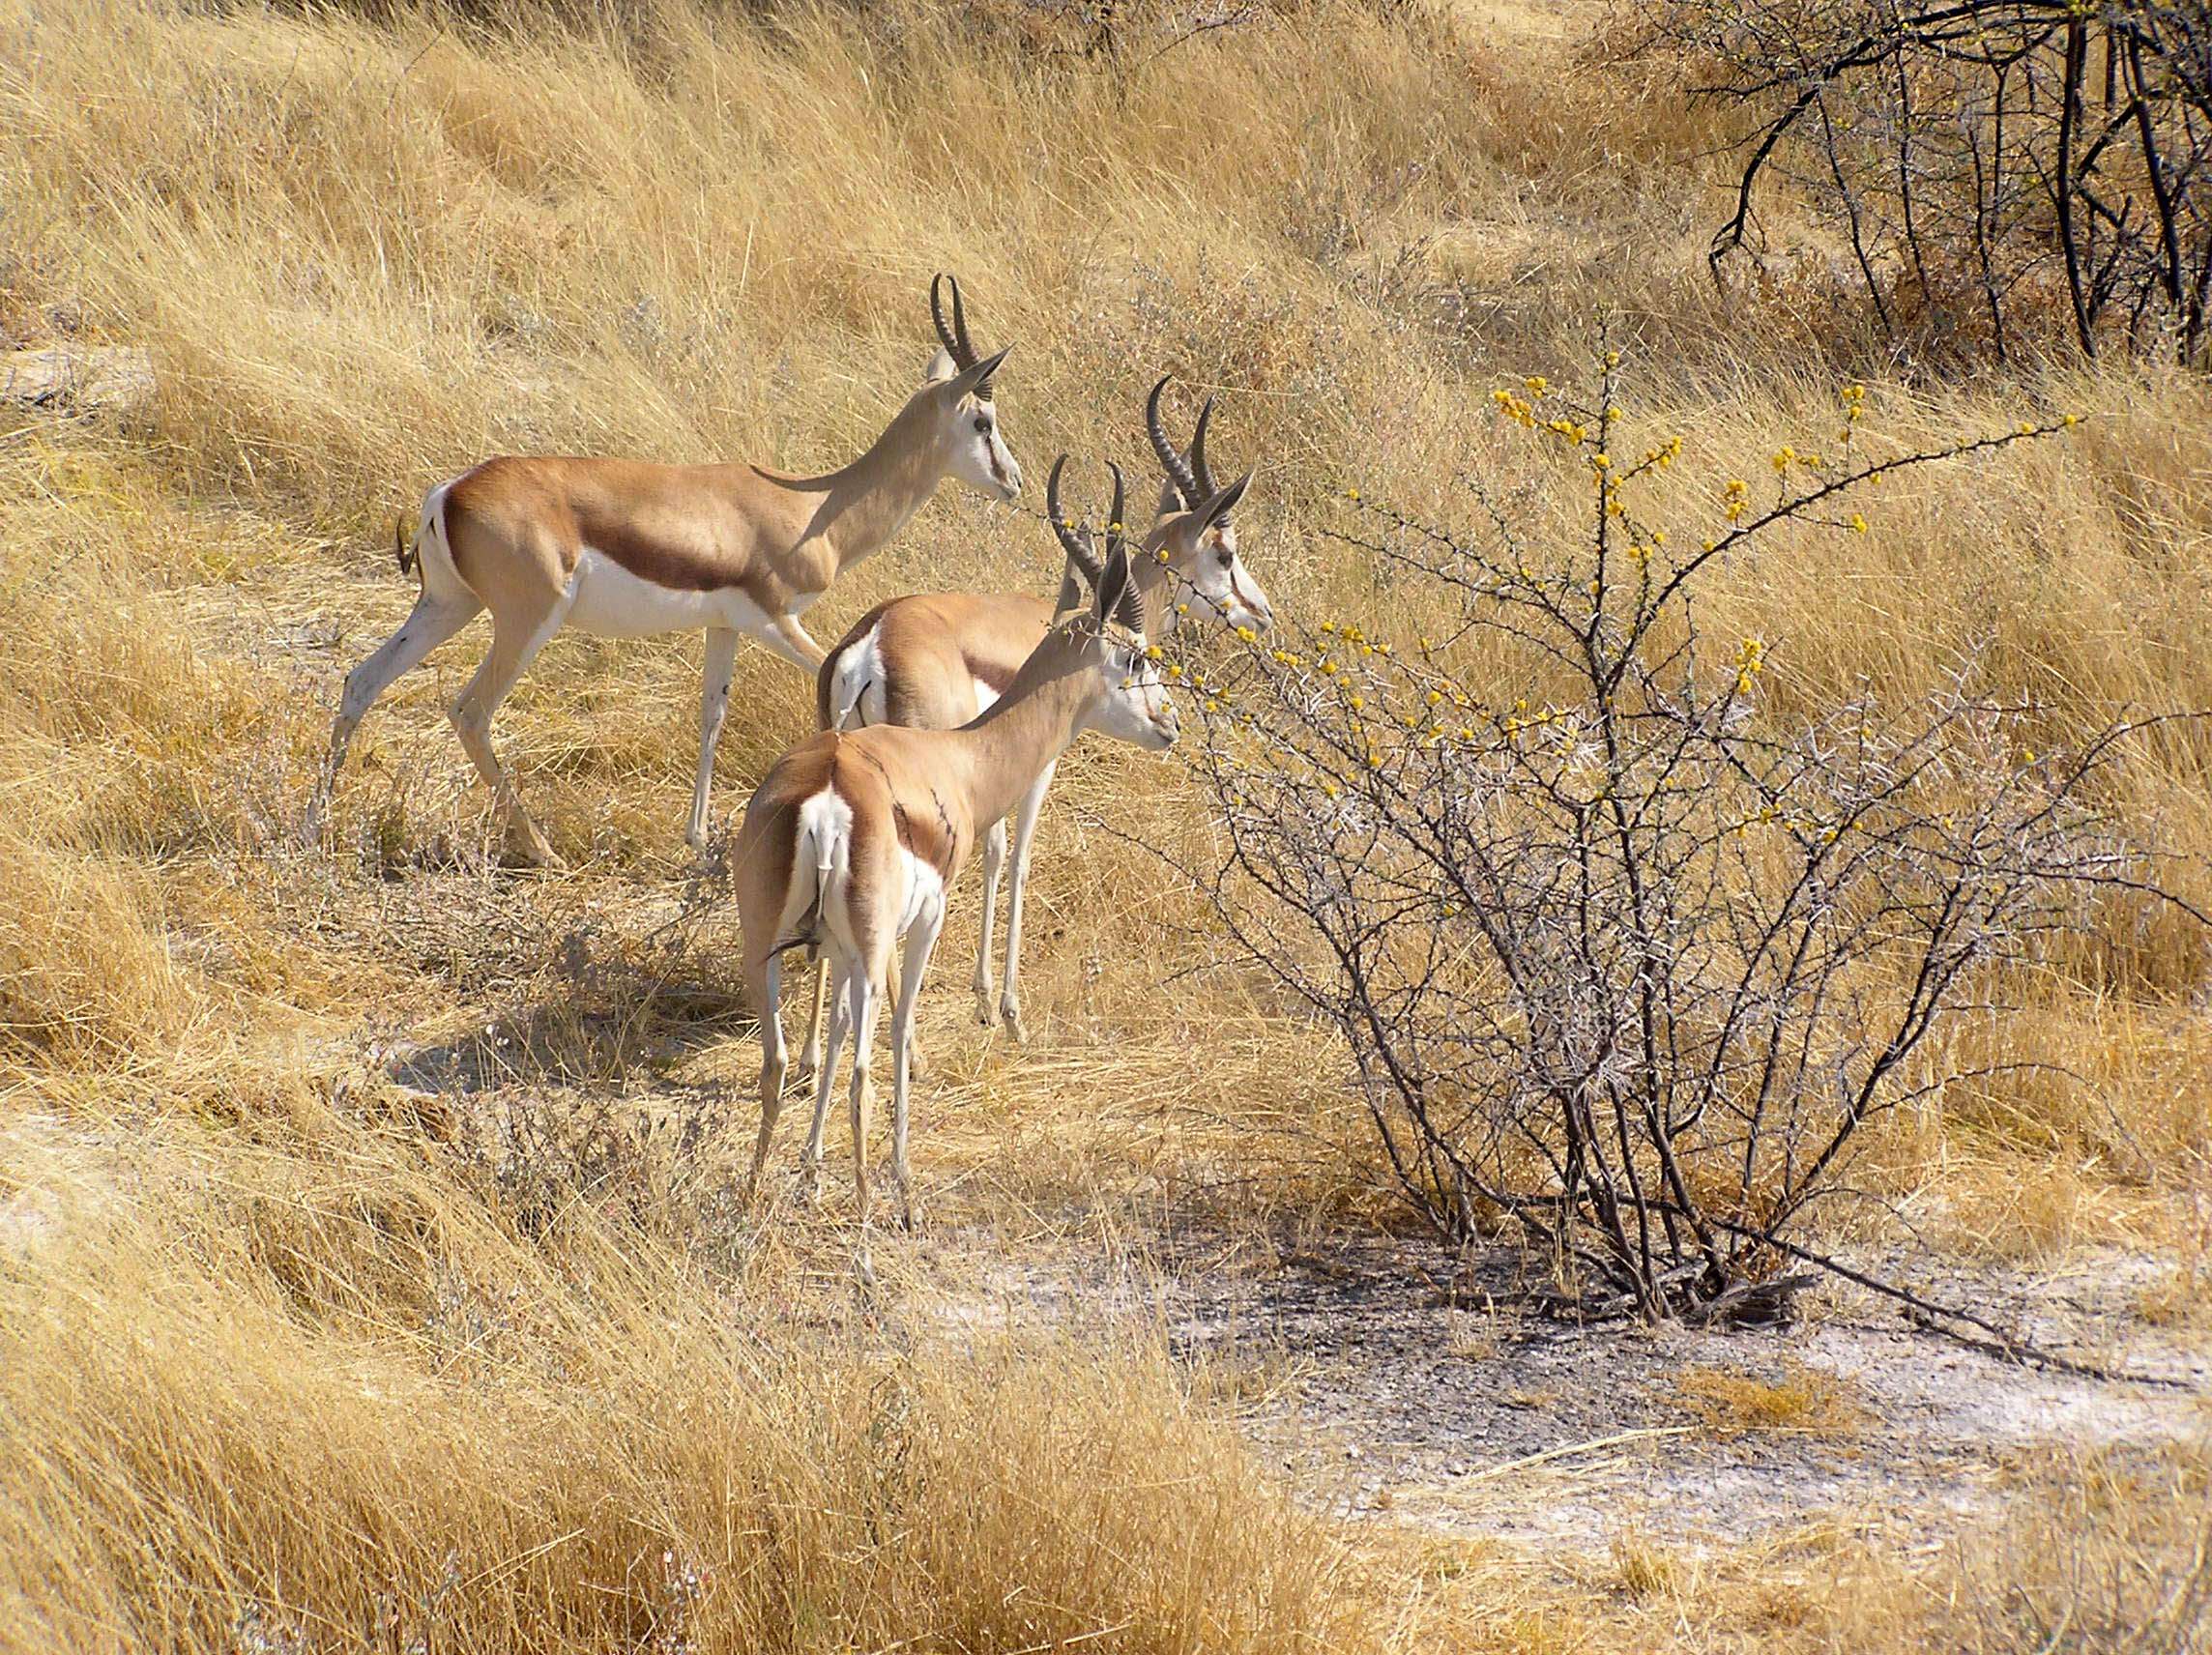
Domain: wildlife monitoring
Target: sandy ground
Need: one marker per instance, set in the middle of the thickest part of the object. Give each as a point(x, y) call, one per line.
point(1384, 1391)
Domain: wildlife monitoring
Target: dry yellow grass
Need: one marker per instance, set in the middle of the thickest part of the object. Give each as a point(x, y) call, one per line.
point(1809, 1400)
point(361, 1376)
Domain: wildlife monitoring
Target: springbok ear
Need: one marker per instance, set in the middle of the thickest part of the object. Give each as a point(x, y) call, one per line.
point(940, 369)
point(976, 380)
point(1222, 504)
point(1114, 588)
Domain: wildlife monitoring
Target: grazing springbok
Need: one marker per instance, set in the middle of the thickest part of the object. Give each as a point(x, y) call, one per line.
point(852, 838)
point(935, 660)
point(626, 549)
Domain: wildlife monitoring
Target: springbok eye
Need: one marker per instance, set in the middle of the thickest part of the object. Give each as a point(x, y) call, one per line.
point(1228, 558)
point(983, 424)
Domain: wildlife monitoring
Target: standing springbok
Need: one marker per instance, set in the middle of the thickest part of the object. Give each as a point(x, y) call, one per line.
point(934, 660)
point(852, 840)
point(624, 548)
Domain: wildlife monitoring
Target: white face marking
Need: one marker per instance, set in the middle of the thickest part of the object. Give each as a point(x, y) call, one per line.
point(1220, 582)
point(980, 457)
point(1135, 707)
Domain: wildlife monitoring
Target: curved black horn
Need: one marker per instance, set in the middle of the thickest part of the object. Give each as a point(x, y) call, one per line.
point(1179, 473)
point(1198, 469)
point(1074, 544)
point(1117, 531)
point(960, 320)
point(955, 344)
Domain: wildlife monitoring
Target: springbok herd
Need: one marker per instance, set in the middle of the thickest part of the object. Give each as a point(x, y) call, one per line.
point(942, 713)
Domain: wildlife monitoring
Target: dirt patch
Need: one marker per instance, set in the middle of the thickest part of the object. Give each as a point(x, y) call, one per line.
point(78, 378)
point(1384, 1392)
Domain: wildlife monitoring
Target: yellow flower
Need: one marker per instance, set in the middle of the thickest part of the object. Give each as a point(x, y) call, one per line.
point(1246, 633)
point(1435, 697)
point(2072, 420)
point(1151, 652)
point(1858, 524)
point(1537, 383)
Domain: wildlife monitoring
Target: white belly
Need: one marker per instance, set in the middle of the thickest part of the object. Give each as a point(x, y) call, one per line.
point(611, 602)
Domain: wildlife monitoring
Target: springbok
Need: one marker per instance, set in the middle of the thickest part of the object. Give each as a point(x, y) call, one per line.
point(935, 660)
point(852, 838)
point(624, 548)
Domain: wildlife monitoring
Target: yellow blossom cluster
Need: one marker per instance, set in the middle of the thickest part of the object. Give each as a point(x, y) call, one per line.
point(1736, 500)
point(1747, 661)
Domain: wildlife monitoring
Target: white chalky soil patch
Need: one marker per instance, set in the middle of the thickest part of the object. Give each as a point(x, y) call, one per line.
point(1381, 1394)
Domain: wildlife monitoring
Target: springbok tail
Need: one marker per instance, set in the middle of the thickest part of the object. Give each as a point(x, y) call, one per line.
point(815, 872)
point(400, 546)
point(843, 684)
point(432, 554)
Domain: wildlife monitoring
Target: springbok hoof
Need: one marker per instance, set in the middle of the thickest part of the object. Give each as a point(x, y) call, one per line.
point(1014, 1025)
point(986, 1013)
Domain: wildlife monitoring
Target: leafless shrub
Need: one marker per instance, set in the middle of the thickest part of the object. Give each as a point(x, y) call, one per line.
point(1630, 960)
point(1996, 167)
